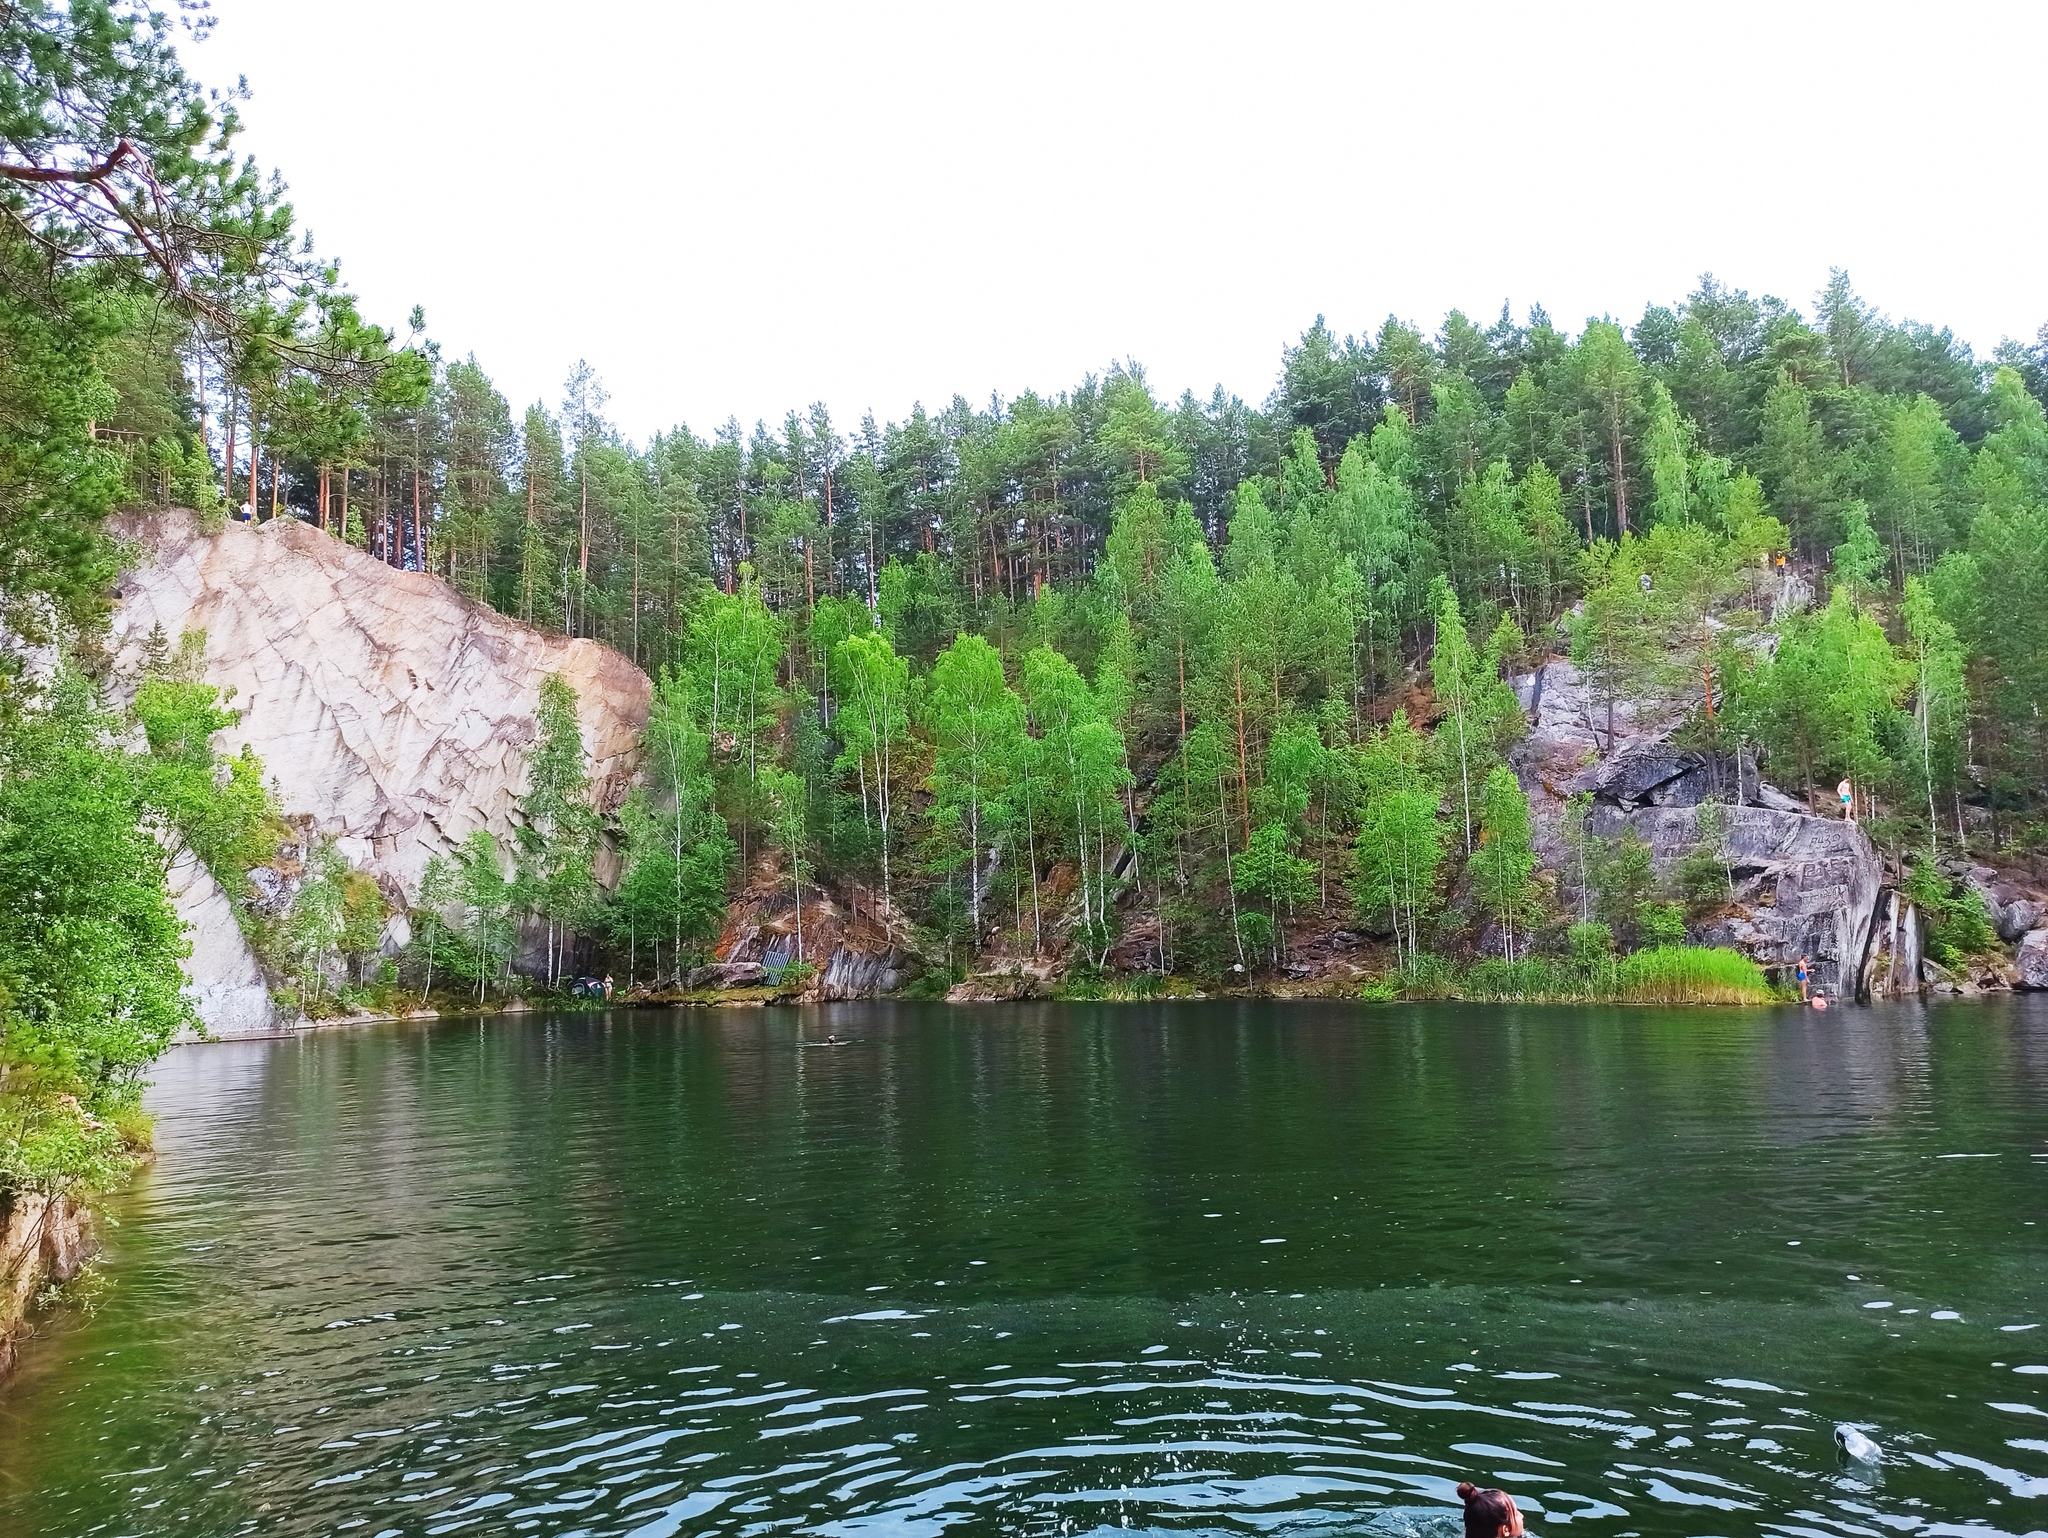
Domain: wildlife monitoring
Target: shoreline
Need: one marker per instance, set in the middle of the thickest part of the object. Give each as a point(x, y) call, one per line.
point(763, 999)
point(45, 1241)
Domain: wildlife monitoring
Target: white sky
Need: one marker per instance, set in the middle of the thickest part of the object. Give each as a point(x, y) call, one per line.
point(744, 207)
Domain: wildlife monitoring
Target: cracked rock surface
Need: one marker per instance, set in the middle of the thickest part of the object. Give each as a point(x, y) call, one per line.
point(391, 711)
point(391, 714)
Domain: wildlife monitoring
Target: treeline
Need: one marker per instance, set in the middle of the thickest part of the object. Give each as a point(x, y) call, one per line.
point(1230, 665)
point(1149, 681)
point(1184, 670)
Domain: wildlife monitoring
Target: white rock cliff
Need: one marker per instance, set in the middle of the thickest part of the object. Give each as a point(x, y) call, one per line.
point(391, 713)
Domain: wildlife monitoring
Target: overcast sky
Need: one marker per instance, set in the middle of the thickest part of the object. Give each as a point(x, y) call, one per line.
point(734, 209)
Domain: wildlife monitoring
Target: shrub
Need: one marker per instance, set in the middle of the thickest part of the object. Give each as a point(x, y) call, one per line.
point(1590, 945)
point(1957, 925)
point(1257, 932)
point(1660, 925)
point(1702, 873)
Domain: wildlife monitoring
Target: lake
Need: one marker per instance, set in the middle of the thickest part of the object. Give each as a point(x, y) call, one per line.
point(1272, 1268)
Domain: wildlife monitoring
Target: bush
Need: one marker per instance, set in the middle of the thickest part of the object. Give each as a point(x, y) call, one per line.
point(1257, 932)
point(1702, 873)
point(1660, 925)
point(1957, 925)
point(1590, 945)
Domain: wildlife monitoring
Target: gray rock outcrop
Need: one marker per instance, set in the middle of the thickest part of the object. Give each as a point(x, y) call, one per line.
point(224, 980)
point(728, 974)
point(392, 713)
point(859, 974)
point(43, 1239)
point(1804, 886)
point(2012, 911)
point(2031, 961)
point(1894, 966)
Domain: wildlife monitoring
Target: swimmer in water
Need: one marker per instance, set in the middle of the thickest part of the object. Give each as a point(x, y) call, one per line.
point(1489, 1513)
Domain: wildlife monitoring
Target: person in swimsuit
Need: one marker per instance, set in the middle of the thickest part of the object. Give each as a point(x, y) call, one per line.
point(1802, 976)
point(1489, 1513)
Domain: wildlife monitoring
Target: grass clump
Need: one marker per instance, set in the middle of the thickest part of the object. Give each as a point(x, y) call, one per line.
point(1690, 974)
point(1591, 974)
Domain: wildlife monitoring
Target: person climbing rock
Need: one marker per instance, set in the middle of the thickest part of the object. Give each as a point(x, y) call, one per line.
point(1803, 975)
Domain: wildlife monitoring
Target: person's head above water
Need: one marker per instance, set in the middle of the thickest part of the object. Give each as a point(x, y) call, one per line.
point(1489, 1513)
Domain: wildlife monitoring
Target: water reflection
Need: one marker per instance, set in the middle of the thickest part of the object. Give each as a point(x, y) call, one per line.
point(1058, 1268)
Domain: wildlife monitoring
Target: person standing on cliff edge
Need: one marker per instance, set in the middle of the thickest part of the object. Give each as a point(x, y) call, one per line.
point(1848, 794)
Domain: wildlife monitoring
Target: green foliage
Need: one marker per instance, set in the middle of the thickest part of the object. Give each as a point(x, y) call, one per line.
point(1083, 766)
point(218, 806)
point(1270, 871)
point(1957, 925)
point(1667, 975)
point(1589, 945)
point(90, 990)
point(52, 1144)
point(314, 927)
point(787, 822)
point(1660, 925)
point(1623, 881)
point(1859, 558)
point(1400, 842)
point(464, 915)
point(1701, 874)
point(678, 852)
point(1825, 700)
point(874, 721)
point(976, 722)
point(363, 912)
point(735, 647)
point(558, 838)
point(1504, 864)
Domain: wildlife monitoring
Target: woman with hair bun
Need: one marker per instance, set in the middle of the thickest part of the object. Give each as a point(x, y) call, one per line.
point(1489, 1513)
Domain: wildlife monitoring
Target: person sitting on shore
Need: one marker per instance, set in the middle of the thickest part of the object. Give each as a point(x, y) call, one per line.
point(1489, 1513)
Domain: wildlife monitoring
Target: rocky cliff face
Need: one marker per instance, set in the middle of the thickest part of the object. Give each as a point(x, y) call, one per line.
point(227, 983)
point(392, 714)
point(1803, 886)
point(42, 1240)
point(1800, 885)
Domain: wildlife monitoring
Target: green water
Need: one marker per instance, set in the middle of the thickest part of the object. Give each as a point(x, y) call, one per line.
point(1252, 1269)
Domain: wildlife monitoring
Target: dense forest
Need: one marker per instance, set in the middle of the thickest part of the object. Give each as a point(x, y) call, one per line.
point(1141, 680)
point(1182, 671)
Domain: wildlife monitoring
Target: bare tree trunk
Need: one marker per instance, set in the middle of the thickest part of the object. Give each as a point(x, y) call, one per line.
point(419, 526)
